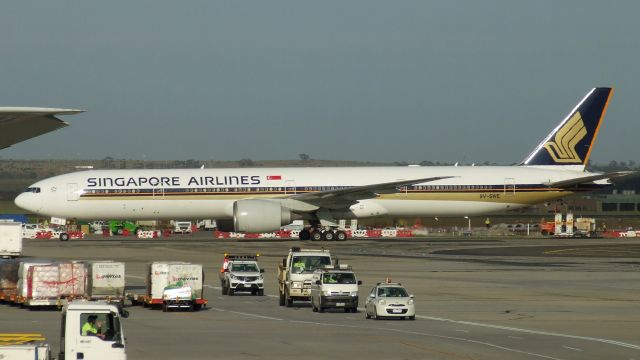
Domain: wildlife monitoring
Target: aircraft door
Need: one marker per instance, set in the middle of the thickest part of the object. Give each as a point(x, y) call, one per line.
point(73, 194)
point(158, 192)
point(289, 187)
point(509, 187)
point(402, 190)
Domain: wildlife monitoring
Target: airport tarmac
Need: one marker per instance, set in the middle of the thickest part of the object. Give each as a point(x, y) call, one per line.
point(476, 298)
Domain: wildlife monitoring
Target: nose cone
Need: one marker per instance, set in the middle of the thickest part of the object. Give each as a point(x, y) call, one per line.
point(25, 201)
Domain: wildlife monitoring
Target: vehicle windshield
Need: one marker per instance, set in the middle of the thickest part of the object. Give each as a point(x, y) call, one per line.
point(308, 263)
point(392, 292)
point(32, 190)
point(338, 278)
point(244, 267)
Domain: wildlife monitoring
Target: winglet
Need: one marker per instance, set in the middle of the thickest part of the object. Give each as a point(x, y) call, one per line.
point(571, 142)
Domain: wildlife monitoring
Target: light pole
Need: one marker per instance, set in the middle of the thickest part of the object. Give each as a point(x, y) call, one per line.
point(469, 225)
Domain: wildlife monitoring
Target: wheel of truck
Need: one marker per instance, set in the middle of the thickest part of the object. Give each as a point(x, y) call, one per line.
point(64, 237)
point(230, 291)
point(197, 307)
point(261, 292)
point(165, 308)
point(341, 235)
point(304, 234)
point(329, 235)
point(412, 317)
point(224, 289)
point(191, 307)
point(347, 310)
point(120, 231)
point(354, 310)
point(316, 236)
point(281, 299)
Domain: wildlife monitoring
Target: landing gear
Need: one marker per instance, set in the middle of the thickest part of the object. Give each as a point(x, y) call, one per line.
point(322, 234)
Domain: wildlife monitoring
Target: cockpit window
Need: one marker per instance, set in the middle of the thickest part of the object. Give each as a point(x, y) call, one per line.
point(35, 190)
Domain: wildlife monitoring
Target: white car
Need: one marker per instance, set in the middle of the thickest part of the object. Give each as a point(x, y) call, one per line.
point(390, 300)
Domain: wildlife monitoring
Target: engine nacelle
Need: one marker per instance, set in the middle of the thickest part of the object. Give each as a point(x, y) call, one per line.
point(256, 216)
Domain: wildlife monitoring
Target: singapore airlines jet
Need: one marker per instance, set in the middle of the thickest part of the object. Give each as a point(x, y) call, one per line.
point(264, 199)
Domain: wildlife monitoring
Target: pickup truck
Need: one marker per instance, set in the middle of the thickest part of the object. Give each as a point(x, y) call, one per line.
point(241, 273)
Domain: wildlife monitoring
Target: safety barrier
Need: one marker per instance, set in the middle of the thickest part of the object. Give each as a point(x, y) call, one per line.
point(147, 234)
point(294, 234)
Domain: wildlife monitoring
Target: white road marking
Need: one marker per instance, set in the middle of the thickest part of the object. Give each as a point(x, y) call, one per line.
point(514, 337)
point(464, 331)
point(572, 348)
point(537, 332)
point(428, 334)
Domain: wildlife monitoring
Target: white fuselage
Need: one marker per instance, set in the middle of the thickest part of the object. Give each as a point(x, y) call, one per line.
point(210, 193)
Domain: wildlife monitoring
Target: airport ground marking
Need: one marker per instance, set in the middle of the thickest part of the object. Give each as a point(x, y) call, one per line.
point(572, 348)
point(477, 342)
point(430, 335)
point(537, 332)
point(434, 350)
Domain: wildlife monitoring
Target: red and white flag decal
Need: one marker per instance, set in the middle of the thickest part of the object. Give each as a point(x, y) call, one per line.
point(274, 177)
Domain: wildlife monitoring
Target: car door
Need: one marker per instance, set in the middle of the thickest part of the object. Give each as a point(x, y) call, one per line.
point(368, 307)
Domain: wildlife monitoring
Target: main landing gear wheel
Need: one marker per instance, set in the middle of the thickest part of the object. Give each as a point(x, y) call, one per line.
point(316, 236)
point(341, 235)
point(329, 235)
point(304, 234)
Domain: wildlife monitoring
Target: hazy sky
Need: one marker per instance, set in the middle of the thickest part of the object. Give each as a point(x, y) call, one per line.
point(343, 80)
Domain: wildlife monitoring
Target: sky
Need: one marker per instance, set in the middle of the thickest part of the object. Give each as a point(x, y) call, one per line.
point(451, 80)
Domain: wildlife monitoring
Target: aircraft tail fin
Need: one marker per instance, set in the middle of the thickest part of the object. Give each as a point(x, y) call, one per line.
point(570, 143)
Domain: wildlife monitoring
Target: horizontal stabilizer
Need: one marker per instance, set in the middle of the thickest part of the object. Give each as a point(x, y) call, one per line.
point(590, 179)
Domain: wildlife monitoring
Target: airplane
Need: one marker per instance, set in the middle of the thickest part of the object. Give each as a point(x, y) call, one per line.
point(264, 199)
point(21, 123)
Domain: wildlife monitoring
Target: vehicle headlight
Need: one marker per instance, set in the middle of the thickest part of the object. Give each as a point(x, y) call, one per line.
point(354, 293)
point(233, 277)
point(260, 277)
point(381, 302)
point(410, 302)
point(326, 293)
point(296, 284)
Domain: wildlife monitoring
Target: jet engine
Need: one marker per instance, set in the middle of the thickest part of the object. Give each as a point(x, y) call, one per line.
point(255, 216)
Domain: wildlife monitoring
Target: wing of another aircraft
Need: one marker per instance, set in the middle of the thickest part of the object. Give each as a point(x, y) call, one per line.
point(346, 197)
point(21, 123)
point(590, 179)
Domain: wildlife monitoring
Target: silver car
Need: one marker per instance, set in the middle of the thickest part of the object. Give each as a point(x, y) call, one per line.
point(390, 300)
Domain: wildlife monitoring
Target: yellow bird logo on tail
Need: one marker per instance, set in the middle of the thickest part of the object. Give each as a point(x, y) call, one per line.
point(563, 149)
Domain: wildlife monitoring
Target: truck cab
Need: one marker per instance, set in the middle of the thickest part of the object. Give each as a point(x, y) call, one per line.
point(107, 343)
point(295, 273)
point(335, 287)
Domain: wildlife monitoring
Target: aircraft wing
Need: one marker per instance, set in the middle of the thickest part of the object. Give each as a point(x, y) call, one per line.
point(346, 197)
point(21, 123)
point(590, 179)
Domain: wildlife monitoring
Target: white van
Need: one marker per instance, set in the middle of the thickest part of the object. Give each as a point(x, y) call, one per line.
point(334, 288)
